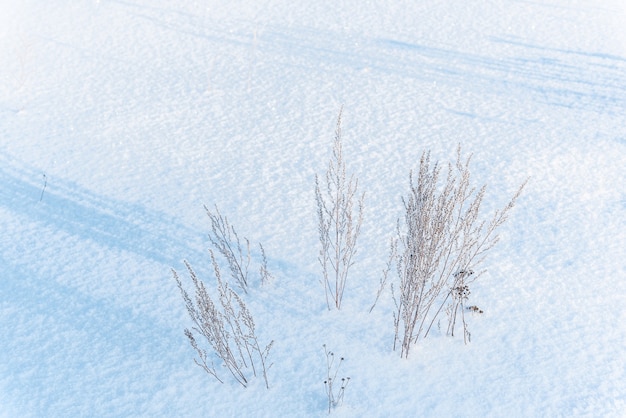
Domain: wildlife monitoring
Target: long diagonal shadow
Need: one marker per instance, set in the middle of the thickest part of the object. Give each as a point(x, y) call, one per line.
point(61, 344)
point(558, 77)
point(111, 223)
point(111, 335)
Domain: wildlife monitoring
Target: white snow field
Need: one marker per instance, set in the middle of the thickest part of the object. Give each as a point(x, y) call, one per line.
point(119, 119)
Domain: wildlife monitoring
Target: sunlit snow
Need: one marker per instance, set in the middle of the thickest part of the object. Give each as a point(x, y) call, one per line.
point(120, 119)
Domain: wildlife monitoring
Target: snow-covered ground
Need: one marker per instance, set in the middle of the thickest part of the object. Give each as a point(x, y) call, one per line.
point(120, 119)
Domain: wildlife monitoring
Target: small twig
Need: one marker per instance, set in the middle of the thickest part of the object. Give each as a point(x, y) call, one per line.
point(45, 183)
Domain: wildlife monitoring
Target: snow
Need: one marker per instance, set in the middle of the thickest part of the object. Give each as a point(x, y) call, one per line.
point(120, 119)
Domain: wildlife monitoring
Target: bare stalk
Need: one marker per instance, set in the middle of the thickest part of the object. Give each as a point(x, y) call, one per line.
point(383, 280)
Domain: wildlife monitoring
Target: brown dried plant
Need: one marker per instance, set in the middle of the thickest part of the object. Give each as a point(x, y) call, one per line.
point(225, 323)
point(228, 328)
point(441, 235)
point(225, 239)
point(338, 226)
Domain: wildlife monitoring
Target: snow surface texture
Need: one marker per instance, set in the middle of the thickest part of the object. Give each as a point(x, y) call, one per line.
point(120, 119)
